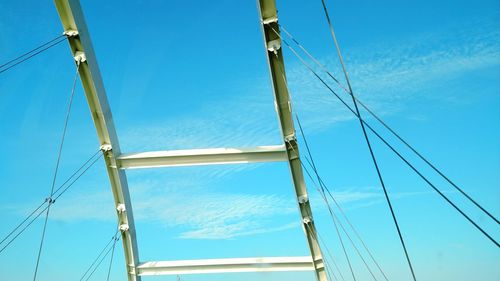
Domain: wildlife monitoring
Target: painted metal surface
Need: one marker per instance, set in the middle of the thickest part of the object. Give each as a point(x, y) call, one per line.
point(211, 156)
point(265, 264)
point(81, 46)
point(74, 25)
point(270, 28)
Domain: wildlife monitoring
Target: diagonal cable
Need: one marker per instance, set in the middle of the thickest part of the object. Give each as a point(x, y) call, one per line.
point(390, 146)
point(323, 186)
point(367, 139)
point(334, 223)
point(50, 200)
point(26, 56)
point(111, 259)
point(335, 218)
point(100, 257)
point(391, 130)
point(25, 220)
point(43, 203)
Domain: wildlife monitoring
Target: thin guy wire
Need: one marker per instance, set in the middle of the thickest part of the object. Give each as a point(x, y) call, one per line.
point(331, 214)
point(41, 212)
point(50, 201)
point(79, 176)
point(323, 187)
point(330, 210)
point(335, 218)
point(430, 164)
point(338, 234)
point(78, 170)
point(392, 131)
point(111, 260)
point(376, 167)
point(331, 257)
point(336, 228)
point(329, 272)
point(29, 52)
point(392, 148)
point(321, 241)
point(367, 139)
point(315, 234)
point(99, 256)
point(19, 225)
point(435, 188)
point(98, 264)
point(23, 229)
point(32, 55)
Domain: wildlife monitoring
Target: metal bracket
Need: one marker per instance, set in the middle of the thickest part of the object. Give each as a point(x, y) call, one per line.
point(274, 46)
point(270, 20)
point(106, 147)
point(80, 57)
point(70, 33)
point(303, 199)
point(290, 138)
point(121, 208)
point(307, 220)
point(124, 227)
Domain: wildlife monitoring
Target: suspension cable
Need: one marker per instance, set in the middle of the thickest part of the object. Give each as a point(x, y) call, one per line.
point(30, 54)
point(331, 257)
point(323, 186)
point(111, 260)
point(54, 200)
point(335, 219)
point(334, 223)
point(367, 139)
point(99, 263)
point(50, 200)
point(98, 260)
point(390, 129)
point(391, 147)
point(316, 234)
point(25, 220)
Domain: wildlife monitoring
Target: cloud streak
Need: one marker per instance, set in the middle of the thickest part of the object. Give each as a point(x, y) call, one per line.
point(208, 215)
point(386, 79)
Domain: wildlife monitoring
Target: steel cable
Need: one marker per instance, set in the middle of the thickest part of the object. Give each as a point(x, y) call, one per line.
point(390, 129)
point(391, 147)
point(24, 57)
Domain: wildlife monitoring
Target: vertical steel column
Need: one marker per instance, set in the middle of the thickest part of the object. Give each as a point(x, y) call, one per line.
point(75, 28)
point(269, 20)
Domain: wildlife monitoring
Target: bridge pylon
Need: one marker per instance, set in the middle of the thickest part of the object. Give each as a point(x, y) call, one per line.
point(75, 28)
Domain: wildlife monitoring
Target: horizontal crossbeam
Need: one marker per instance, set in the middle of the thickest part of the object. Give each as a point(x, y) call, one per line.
point(210, 156)
point(226, 265)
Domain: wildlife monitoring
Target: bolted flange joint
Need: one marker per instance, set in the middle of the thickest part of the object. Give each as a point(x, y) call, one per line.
point(106, 147)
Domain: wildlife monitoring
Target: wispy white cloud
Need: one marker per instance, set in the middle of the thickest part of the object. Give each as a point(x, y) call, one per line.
point(361, 197)
point(387, 78)
point(208, 215)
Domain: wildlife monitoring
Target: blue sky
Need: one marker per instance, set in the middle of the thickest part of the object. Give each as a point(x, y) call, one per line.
point(194, 75)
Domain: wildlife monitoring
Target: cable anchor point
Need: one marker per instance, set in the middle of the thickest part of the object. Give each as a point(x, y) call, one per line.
point(105, 147)
point(303, 199)
point(70, 33)
point(274, 46)
point(307, 220)
point(121, 208)
point(123, 227)
point(80, 57)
